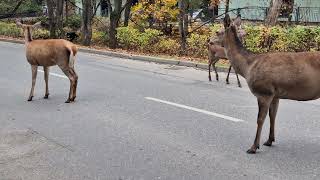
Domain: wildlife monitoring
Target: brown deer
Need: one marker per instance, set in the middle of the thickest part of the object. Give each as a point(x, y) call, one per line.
point(215, 53)
point(272, 76)
point(48, 53)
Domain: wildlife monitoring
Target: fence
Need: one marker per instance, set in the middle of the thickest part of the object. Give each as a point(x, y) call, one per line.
point(256, 13)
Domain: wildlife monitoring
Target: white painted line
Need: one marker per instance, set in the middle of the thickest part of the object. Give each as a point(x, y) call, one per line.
point(196, 110)
point(54, 74)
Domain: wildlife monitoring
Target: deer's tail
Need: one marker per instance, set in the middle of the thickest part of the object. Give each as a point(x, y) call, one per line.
point(73, 51)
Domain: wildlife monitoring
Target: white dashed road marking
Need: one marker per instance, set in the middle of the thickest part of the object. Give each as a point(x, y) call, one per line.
point(196, 109)
point(54, 74)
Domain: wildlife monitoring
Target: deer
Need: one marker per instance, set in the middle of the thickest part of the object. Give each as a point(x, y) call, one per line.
point(216, 51)
point(48, 53)
point(272, 76)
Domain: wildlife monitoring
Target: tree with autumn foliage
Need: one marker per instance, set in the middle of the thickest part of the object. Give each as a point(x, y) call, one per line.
point(147, 13)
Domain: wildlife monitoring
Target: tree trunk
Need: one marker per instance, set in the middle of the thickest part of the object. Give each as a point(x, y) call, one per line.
point(274, 11)
point(115, 16)
point(183, 25)
point(59, 18)
point(127, 12)
point(113, 43)
point(51, 19)
point(227, 6)
point(86, 28)
point(114, 23)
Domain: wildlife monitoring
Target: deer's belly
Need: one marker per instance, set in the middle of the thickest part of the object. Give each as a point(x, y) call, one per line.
point(300, 92)
point(41, 60)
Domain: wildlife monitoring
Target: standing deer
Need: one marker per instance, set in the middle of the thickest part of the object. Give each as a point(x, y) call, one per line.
point(272, 76)
point(215, 53)
point(48, 53)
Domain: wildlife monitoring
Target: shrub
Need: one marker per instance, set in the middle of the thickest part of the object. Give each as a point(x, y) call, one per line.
point(99, 37)
point(131, 38)
point(41, 34)
point(73, 22)
point(10, 30)
point(128, 37)
point(197, 45)
point(167, 46)
point(147, 39)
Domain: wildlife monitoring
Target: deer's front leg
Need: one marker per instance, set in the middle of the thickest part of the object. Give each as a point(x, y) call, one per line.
point(46, 78)
point(34, 70)
point(263, 103)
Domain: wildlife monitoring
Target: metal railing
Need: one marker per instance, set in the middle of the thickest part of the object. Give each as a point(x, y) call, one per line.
point(256, 13)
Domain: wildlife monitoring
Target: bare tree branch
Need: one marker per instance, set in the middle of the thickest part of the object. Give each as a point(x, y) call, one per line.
point(13, 11)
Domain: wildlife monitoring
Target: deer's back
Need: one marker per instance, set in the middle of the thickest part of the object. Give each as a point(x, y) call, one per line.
point(287, 75)
point(48, 52)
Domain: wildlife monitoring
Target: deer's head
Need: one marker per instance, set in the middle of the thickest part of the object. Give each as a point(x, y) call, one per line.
point(219, 37)
point(231, 31)
point(27, 29)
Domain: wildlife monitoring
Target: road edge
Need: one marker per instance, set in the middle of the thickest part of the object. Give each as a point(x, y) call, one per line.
point(143, 58)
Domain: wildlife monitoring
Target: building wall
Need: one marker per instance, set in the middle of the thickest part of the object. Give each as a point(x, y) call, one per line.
point(79, 4)
point(304, 10)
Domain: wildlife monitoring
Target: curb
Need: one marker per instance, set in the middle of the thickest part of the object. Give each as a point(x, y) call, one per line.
point(136, 57)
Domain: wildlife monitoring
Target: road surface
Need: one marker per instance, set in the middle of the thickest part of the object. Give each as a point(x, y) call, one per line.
point(142, 121)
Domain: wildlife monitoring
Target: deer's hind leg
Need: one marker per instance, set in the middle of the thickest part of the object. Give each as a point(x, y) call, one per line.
point(72, 71)
point(34, 69)
point(227, 80)
point(272, 114)
point(209, 69)
point(239, 84)
point(215, 69)
point(66, 70)
point(46, 78)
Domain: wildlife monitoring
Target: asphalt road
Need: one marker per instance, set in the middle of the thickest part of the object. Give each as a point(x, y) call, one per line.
point(142, 121)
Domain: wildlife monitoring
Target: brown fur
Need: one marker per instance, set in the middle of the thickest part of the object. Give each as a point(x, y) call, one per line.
point(273, 76)
point(48, 53)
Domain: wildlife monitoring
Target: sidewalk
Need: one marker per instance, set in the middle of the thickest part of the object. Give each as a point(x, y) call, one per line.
point(135, 57)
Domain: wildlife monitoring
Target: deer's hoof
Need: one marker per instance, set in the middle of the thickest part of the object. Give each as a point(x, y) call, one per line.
point(68, 101)
point(268, 142)
point(72, 99)
point(240, 86)
point(227, 82)
point(251, 151)
point(46, 96)
point(30, 98)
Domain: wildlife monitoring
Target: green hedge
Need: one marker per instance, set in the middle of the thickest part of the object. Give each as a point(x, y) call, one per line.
point(11, 29)
point(293, 38)
point(258, 39)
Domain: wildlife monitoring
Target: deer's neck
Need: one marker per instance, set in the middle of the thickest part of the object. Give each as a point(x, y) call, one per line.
point(238, 56)
point(28, 35)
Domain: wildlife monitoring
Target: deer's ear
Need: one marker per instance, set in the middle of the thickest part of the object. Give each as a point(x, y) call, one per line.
point(37, 25)
point(18, 23)
point(237, 21)
point(227, 21)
